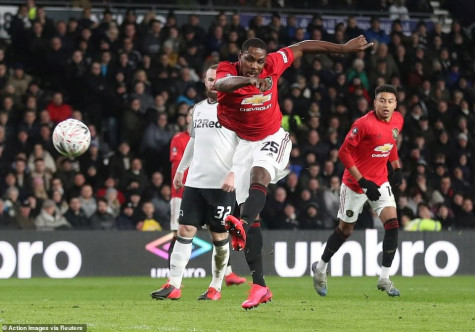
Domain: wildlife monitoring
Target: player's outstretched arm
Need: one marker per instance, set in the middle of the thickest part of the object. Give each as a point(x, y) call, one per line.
point(318, 46)
point(232, 83)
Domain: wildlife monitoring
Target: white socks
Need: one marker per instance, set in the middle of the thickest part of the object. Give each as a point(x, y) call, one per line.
point(218, 265)
point(179, 259)
point(384, 273)
point(322, 266)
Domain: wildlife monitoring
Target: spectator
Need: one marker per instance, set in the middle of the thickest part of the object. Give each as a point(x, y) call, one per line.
point(24, 217)
point(315, 145)
point(375, 33)
point(446, 216)
point(61, 203)
point(274, 209)
point(397, 10)
point(76, 216)
point(134, 178)
point(19, 80)
point(125, 220)
point(40, 152)
point(352, 29)
point(155, 143)
point(331, 199)
point(58, 110)
point(101, 219)
point(65, 173)
point(148, 221)
point(465, 216)
point(50, 219)
point(140, 93)
point(113, 203)
point(24, 181)
point(88, 202)
point(311, 219)
point(162, 206)
point(18, 144)
point(424, 222)
point(132, 124)
point(110, 183)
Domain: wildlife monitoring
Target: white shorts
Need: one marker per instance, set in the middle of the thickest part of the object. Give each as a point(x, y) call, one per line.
point(271, 153)
point(351, 203)
point(175, 204)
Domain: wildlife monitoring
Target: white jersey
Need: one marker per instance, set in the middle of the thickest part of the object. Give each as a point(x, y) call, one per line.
point(214, 148)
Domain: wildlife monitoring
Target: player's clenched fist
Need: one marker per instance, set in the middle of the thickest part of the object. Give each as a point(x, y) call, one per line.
point(372, 189)
point(261, 83)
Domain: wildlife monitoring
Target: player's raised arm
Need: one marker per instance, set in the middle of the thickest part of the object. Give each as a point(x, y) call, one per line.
point(231, 83)
point(318, 46)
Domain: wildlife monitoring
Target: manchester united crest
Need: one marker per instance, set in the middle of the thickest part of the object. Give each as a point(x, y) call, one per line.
point(395, 132)
point(269, 80)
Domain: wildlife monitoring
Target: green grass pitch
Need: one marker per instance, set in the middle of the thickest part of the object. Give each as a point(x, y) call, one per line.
point(352, 304)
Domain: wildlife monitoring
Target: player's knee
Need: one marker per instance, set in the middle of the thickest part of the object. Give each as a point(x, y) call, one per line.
point(345, 229)
point(260, 175)
point(186, 231)
point(221, 242)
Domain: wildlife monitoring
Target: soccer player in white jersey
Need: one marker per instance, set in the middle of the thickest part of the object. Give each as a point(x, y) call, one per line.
point(209, 194)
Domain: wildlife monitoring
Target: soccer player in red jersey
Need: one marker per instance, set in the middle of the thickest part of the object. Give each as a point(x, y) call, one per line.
point(248, 105)
point(368, 146)
point(177, 148)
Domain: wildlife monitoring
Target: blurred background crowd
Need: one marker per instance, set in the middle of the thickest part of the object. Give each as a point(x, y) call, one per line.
point(133, 83)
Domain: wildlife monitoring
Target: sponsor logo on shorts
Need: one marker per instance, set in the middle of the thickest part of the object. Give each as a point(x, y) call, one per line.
point(349, 213)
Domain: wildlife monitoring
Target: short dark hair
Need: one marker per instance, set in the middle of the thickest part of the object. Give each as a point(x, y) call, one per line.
point(385, 88)
point(254, 42)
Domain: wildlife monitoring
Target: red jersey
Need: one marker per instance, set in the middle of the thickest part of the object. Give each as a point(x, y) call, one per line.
point(371, 143)
point(177, 148)
point(251, 114)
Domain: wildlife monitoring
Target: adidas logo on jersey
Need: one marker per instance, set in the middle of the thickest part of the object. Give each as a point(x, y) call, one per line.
point(206, 123)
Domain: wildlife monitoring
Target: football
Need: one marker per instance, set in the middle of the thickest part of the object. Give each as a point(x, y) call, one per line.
point(71, 138)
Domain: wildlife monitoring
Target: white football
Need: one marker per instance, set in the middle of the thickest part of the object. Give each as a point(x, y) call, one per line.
point(71, 138)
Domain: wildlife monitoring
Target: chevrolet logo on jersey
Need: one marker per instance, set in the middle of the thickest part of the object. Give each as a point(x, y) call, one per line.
point(384, 148)
point(256, 99)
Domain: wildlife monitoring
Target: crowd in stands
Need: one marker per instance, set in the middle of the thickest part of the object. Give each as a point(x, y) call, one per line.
point(133, 83)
